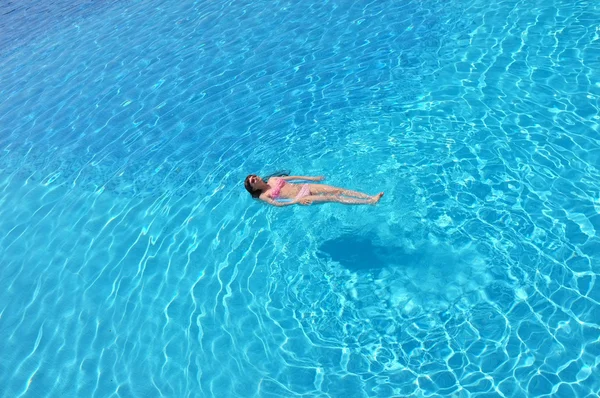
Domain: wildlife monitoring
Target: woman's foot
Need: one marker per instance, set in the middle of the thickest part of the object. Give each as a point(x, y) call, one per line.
point(376, 198)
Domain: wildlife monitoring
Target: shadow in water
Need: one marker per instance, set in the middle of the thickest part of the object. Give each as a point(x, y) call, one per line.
point(360, 253)
point(413, 275)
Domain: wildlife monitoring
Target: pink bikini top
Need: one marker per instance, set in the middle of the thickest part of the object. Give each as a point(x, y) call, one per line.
point(276, 190)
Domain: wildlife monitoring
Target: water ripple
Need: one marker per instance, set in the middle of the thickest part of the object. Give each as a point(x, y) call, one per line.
point(134, 263)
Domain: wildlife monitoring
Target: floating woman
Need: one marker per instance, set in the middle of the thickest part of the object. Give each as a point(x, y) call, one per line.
point(304, 194)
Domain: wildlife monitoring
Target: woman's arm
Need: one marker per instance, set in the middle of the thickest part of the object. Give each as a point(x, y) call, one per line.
point(289, 178)
point(277, 203)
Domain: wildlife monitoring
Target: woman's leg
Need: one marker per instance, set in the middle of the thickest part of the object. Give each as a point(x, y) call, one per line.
point(355, 194)
point(339, 199)
point(320, 189)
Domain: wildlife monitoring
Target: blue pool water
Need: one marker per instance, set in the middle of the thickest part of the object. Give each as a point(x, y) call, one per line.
point(134, 264)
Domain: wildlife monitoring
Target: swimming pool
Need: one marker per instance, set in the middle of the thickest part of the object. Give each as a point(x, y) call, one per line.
point(134, 264)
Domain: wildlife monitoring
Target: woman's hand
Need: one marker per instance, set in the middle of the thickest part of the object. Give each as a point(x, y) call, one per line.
point(319, 178)
point(305, 201)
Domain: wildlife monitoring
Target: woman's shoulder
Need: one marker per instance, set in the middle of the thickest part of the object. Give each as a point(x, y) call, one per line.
point(265, 194)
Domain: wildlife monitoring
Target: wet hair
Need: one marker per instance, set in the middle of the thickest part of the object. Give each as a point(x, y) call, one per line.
point(254, 192)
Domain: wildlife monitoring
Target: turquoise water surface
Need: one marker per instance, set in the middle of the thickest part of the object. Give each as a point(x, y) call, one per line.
point(134, 264)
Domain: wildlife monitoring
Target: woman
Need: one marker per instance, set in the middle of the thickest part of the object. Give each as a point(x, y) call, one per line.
point(305, 194)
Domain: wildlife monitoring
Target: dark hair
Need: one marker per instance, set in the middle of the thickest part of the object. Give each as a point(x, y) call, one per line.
point(254, 192)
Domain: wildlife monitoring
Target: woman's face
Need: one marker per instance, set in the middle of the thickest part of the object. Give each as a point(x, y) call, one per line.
point(255, 182)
